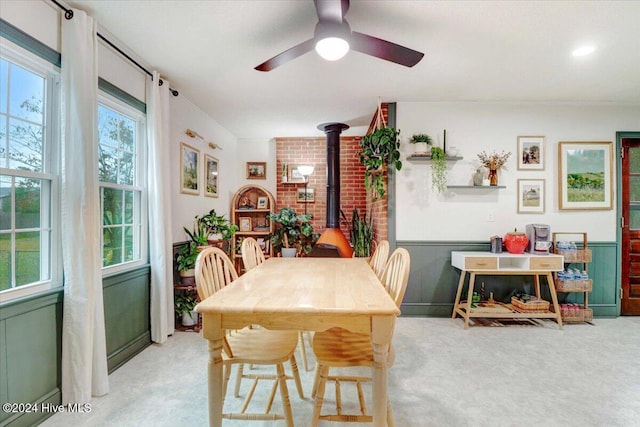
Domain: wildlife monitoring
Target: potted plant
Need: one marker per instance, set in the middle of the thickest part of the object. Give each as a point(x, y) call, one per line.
point(360, 233)
point(186, 260)
point(293, 233)
point(377, 149)
point(422, 143)
point(184, 305)
point(217, 229)
point(438, 169)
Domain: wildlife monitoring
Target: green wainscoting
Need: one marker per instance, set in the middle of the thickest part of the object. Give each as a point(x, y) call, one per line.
point(31, 353)
point(433, 281)
point(126, 315)
point(31, 340)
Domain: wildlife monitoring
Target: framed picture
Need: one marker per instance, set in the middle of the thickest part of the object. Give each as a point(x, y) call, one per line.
point(306, 195)
point(295, 177)
point(189, 158)
point(244, 223)
point(263, 202)
point(256, 170)
point(531, 153)
point(210, 176)
point(531, 195)
point(585, 175)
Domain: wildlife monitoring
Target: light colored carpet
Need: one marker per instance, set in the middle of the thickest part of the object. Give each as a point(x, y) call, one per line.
point(444, 375)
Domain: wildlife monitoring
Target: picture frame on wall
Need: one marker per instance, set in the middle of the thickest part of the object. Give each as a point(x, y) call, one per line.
point(531, 195)
point(189, 167)
point(244, 223)
point(256, 170)
point(306, 195)
point(531, 152)
point(263, 202)
point(295, 177)
point(210, 176)
point(585, 175)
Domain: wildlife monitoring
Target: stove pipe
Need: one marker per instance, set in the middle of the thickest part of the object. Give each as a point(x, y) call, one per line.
point(332, 242)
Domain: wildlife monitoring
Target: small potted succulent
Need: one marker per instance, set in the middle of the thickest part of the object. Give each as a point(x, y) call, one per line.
point(422, 143)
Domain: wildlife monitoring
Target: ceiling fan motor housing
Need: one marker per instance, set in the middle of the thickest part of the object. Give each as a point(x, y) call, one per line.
point(325, 29)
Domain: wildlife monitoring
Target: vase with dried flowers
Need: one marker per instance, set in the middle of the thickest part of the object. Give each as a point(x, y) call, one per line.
point(493, 162)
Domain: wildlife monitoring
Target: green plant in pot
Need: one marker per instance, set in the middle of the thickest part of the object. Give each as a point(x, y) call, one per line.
point(379, 148)
point(422, 143)
point(186, 260)
point(184, 305)
point(217, 229)
point(292, 231)
point(438, 169)
point(360, 233)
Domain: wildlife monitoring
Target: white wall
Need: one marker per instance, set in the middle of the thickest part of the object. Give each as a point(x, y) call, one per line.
point(257, 150)
point(185, 115)
point(423, 214)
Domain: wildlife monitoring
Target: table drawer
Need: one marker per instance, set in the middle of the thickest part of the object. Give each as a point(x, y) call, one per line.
point(480, 263)
point(544, 263)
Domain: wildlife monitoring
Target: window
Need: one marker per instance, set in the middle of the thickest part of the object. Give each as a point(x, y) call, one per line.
point(29, 138)
point(122, 195)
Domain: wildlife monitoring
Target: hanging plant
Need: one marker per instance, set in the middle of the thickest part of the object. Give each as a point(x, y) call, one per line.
point(377, 149)
point(438, 169)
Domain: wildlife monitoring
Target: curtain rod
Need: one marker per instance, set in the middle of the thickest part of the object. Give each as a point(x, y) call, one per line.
point(68, 14)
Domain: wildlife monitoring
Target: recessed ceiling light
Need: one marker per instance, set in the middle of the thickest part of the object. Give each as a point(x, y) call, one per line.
point(584, 50)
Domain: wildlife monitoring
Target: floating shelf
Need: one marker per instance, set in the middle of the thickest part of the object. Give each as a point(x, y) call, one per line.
point(428, 158)
point(478, 187)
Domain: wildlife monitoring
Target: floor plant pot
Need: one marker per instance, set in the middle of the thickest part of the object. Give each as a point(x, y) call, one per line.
point(189, 318)
point(289, 252)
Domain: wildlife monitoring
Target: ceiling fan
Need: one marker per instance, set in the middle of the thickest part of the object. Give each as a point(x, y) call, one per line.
point(333, 38)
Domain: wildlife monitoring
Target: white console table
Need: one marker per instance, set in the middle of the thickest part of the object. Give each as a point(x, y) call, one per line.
point(487, 263)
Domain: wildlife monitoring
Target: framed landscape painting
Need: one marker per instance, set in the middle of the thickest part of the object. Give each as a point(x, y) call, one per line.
point(210, 176)
point(189, 158)
point(531, 196)
point(585, 175)
point(531, 153)
point(256, 170)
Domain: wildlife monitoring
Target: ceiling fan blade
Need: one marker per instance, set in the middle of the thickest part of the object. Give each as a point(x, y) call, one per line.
point(286, 56)
point(331, 10)
point(384, 49)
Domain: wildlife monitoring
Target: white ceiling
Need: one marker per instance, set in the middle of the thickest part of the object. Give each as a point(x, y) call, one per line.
point(503, 51)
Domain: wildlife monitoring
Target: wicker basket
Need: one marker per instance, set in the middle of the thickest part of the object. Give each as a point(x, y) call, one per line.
point(531, 306)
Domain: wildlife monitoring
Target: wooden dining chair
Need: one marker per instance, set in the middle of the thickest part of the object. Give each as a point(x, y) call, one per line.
point(252, 256)
point(337, 347)
point(379, 258)
point(259, 346)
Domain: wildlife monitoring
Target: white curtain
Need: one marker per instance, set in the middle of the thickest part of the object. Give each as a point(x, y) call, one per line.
point(158, 185)
point(84, 355)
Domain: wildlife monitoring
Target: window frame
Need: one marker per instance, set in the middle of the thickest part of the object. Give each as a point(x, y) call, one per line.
point(50, 171)
point(140, 182)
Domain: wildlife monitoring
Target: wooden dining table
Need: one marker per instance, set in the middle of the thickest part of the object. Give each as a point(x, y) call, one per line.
point(311, 294)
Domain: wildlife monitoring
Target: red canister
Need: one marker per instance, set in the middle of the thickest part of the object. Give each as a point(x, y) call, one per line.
point(516, 242)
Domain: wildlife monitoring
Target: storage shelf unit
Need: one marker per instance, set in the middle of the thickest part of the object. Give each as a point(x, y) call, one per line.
point(246, 208)
point(578, 256)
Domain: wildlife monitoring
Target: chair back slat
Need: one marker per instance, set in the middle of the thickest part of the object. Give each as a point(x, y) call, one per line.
point(379, 258)
point(396, 274)
point(252, 255)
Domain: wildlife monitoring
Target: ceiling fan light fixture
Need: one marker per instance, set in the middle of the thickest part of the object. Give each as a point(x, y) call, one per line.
point(332, 48)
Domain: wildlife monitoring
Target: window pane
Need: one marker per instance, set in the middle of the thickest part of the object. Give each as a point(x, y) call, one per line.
point(27, 258)
point(107, 127)
point(129, 254)
point(634, 188)
point(108, 164)
point(127, 134)
point(128, 207)
point(126, 168)
point(634, 224)
point(27, 203)
point(112, 203)
point(112, 246)
point(5, 202)
point(25, 145)
point(5, 261)
point(634, 159)
point(27, 94)
point(3, 86)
